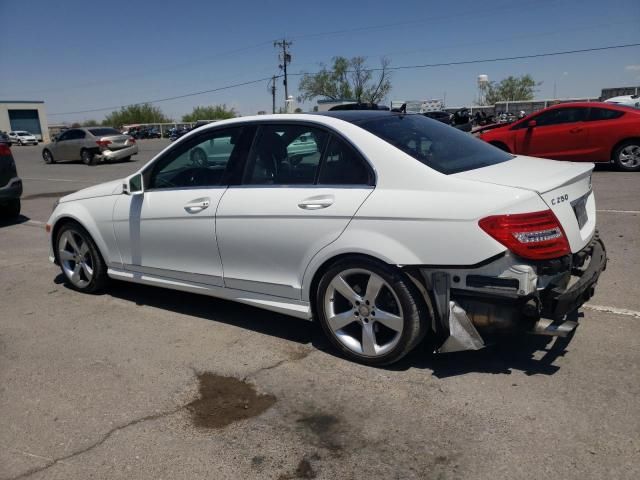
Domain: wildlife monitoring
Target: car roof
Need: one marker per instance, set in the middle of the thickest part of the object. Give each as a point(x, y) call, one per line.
point(356, 116)
point(610, 106)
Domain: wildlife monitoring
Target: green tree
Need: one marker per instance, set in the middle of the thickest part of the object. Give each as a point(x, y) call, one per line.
point(90, 123)
point(139, 113)
point(511, 89)
point(348, 79)
point(212, 112)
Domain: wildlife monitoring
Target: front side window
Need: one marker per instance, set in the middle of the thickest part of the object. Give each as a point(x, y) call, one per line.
point(204, 161)
point(64, 136)
point(438, 146)
point(561, 115)
point(285, 155)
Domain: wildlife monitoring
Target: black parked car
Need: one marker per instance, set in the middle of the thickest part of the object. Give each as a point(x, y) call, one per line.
point(444, 117)
point(10, 184)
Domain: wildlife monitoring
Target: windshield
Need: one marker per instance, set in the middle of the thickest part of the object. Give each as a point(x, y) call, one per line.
point(435, 144)
point(23, 134)
point(101, 132)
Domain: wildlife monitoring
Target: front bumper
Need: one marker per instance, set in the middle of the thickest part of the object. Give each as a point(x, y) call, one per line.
point(12, 190)
point(509, 295)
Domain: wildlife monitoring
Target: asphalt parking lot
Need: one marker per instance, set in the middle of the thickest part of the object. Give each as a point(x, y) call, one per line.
point(146, 383)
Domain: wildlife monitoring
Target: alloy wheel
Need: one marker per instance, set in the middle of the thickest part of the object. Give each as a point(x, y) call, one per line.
point(363, 312)
point(629, 156)
point(75, 258)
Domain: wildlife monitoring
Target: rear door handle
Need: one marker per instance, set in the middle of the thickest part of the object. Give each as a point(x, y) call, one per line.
point(197, 205)
point(316, 203)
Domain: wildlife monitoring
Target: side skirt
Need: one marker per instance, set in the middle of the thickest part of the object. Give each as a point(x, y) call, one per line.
point(285, 306)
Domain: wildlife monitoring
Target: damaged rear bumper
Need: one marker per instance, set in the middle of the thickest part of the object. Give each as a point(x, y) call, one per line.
point(508, 295)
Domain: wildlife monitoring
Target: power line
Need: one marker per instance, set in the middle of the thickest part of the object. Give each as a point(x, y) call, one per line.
point(403, 67)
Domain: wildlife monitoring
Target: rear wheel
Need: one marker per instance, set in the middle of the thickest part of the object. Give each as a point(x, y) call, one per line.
point(627, 156)
point(79, 258)
point(370, 311)
point(87, 157)
point(47, 157)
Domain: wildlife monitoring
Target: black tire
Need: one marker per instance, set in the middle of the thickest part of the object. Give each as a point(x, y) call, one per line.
point(414, 313)
point(11, 208)
point(47, 156)
point(87, 157)
point(127, 159)
point(622, 151)
point(93, 257)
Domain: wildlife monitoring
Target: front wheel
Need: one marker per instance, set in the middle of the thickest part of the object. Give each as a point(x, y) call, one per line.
point(79, 259)
point(87, 157)
point(627, 156)
point(47, 157)
point(370, 311)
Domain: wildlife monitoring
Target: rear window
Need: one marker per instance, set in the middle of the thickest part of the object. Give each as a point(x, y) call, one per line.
point(438, 146)
point(103, 132)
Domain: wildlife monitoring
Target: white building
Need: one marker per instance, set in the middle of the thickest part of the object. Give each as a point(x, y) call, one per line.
point(29, 115)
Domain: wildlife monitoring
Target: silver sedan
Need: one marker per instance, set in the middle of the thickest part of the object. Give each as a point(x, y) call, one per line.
point(91, 145)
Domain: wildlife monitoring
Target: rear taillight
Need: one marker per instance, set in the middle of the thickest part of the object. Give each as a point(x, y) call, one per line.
point(132, 140)
point(536, 235)
point(103, 143)
point(4, 149)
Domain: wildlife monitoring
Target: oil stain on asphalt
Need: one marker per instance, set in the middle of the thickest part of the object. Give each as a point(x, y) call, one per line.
point(224, 400)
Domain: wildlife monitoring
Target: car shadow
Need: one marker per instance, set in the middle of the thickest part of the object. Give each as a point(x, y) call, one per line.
point(7, 222)
point(606, 167)
point(530, 354)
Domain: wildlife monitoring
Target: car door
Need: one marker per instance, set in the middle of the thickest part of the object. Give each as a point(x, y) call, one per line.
point(170, 229)
point(559, 133)
point(75, 144)
point(301, 187)
point(62, 146)
point(603, 134)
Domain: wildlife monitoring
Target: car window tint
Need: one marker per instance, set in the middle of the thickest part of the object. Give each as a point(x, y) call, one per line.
point(63, 136)
point(561, 115)
point(603, 114)
point(285, 155)
point(104, 131)
point(342, 165)
point(199, 163)
point(445, 149)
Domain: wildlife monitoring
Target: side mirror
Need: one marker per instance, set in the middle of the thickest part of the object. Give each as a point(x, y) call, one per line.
point(133, 185)
point(531, 124)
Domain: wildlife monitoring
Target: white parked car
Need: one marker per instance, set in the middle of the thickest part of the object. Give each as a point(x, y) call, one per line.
point(22, 137)
point(392, 228)
point(626, 101)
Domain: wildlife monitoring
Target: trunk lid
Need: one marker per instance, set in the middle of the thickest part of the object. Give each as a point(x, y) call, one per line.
point(565, 188)
point(117, 141)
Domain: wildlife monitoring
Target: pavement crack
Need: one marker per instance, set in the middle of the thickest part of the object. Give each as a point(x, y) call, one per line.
point(294, 358)
point(96, 444)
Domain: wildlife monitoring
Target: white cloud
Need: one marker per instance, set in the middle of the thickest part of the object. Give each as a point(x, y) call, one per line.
point(633, 68)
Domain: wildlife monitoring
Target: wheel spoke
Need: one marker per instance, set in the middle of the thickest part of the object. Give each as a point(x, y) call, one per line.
point(368, 339)
point(341, 320)
point(88, 271)
point(389, 320)
point(343, 288)
point(66, 256)
point(374, 285)
point(84, 249)
point(72, 242)
point(75, 276)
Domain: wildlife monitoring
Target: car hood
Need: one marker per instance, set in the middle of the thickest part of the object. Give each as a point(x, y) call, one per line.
point(102, 190)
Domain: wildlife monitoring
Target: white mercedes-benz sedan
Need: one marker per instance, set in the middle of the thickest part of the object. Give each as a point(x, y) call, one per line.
point(384, 227)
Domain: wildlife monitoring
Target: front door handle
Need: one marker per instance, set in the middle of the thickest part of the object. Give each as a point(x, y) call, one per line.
point(316, 203)
point(575, 130)
point(197, 205)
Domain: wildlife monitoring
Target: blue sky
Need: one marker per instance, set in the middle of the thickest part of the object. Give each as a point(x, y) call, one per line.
point(79, 55)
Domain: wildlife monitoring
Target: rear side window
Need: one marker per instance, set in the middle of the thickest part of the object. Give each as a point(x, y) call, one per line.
point(603, 114)
point(342, 165)
point(103, 132)
point(438, 146)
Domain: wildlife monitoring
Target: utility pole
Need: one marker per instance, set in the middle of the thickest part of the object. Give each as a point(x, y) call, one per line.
point(285, 59)
point(272, 88)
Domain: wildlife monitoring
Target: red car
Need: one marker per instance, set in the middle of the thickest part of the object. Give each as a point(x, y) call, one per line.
point(579, 132)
